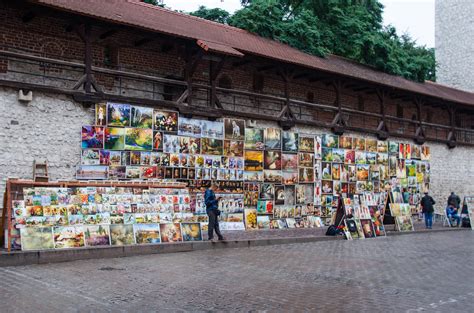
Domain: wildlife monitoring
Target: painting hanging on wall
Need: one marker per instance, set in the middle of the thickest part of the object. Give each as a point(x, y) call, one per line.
point(92, 137)
point(114, 138)
point(165, 120)
point(118, 114)
point(254, 139)
point(141, 117)
point(272, 138)
point(101, 114)
point(138, 139)
point(253, 160)
point(212, 129)
point(234, 129)
point(290, 141)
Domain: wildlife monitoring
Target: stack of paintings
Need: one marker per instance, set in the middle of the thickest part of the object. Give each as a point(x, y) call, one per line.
point(58, 218)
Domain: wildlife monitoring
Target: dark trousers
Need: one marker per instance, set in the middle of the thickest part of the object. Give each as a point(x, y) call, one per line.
point(213, 225)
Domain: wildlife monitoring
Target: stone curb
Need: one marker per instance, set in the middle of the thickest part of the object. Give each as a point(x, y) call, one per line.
point(19, 258)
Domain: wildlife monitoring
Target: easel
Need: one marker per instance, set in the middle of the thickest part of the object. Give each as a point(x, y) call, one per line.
point(388, 219)
point(470, 209)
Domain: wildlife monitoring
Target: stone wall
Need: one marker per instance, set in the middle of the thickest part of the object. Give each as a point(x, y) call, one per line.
point(49, 128)
point(454, 42)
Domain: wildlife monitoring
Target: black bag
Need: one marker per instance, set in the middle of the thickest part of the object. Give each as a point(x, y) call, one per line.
point(332, 231)
point(466, 222)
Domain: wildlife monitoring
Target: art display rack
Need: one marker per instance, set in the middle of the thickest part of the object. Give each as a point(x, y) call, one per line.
point(469, 203)
point(14, 191)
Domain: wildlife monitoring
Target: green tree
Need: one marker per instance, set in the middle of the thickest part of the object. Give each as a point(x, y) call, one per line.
point(349, 28)
point(216, 15)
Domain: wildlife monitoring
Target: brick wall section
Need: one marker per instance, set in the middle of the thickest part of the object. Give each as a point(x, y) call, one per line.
point(46, 35)
point(454, 29)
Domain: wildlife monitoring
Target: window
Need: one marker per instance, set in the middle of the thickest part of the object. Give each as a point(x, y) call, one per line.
point(111, 56)
point(225, 82)
point(310, 97)
point(258, 82)
point(399, 111)
point(360, 103)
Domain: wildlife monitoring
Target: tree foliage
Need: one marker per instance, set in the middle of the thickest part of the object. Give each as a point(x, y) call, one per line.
point(216, 15)
point(349, 28)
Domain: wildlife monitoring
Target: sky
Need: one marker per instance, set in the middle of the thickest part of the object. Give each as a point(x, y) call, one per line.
point(415, 17)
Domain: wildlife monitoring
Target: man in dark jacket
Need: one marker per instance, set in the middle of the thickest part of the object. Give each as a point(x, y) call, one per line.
point(427, 203)
point(454, 200)
point(212, 211)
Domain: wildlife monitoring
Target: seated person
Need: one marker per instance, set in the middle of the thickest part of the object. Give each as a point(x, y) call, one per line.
point(452, 214)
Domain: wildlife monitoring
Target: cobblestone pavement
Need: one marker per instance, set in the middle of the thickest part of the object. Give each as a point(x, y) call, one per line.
point(430, 272)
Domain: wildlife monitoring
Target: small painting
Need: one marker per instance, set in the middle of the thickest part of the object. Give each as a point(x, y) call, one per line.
point(118, 114)
point(141, 117)
point(121, 234)
point(272, 139)
point(272, 160)
point(233, 148)
point(92, 172)
point(263, 222)
point(234, 129)
point(272, 176)
point(97, 235)
point(171, 144)
point(371, 145)
point(359, 144)
point(305, 159)
point(171, 232)
point(345, 142)
point(191, 231)
point(330, 141)
point(90, 157)
point(92, 137)
point(279, 195)
point(100, 114)
point(212, 129)
point(211, 146)
point(157, 141)
point(166, 121)
point(146, 233)
point(289, 161)
point(36, 238)
point(138, 139)
point(250, 219)
point(190, 127)
point(254, 139)
point(306, 143)
point(68, 237)
point(306, 175)
point(114, 138)
point(290, 142)
point(253, 160)
point(404, 223)
point(290, 177)
point(367, 228)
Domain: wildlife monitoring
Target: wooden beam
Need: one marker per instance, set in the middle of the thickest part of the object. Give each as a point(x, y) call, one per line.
point(265, 68)
point(301, 75)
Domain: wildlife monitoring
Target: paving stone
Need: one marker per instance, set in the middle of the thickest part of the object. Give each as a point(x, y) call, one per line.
point(429, 272)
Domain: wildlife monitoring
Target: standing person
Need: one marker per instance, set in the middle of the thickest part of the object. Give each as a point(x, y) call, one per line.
point(427, 203)
point(213, 212)
point(454, 200)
